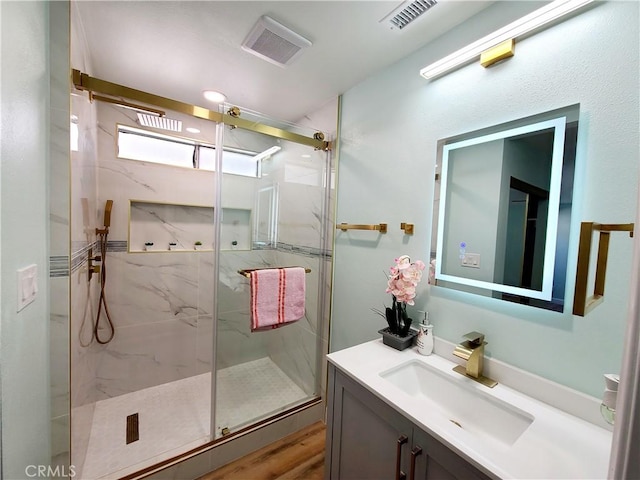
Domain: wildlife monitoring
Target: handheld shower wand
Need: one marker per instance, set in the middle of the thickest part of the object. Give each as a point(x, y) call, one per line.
point(107, 218)
point(102, 234)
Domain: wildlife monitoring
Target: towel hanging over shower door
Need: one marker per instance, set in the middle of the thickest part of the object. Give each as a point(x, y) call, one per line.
point(277, 297)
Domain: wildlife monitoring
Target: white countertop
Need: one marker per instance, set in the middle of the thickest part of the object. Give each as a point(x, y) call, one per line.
point(556, 445)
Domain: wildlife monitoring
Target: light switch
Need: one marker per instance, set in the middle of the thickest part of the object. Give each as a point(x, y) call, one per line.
point(471, 260)
point(27, 285)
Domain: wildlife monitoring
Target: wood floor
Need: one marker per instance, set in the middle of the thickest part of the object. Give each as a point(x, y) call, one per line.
point(300, 456)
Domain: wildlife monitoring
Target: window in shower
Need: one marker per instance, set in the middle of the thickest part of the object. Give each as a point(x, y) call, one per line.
point(152, 147)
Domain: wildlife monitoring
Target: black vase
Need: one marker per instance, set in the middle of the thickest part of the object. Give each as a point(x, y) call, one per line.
point(397, 319)
point(394, 340)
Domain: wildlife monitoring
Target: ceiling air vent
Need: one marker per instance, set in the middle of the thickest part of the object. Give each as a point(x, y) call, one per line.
point(274, 42)
point(162, 123)
point(407, 12)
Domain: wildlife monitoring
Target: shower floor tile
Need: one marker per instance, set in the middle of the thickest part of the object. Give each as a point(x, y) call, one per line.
point(174, 417)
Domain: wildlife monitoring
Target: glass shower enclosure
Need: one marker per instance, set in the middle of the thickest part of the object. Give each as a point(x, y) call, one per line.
point(184, 370)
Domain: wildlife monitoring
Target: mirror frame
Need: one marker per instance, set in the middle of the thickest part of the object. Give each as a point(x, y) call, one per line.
point(557, 120)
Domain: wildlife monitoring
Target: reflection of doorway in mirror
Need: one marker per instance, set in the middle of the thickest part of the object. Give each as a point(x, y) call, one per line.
point(524, 248)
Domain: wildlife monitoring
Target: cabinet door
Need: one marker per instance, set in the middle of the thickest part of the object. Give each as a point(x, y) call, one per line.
point(367, 436)
point(437, 462)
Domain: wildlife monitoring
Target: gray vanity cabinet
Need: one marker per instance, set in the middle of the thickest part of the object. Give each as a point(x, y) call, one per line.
point(367, 439)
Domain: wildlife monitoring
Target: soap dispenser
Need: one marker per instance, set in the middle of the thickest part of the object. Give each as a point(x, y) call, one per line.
point(425, 336)
point(609, 398)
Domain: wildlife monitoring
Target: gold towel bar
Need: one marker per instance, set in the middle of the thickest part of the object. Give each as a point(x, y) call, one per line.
point(247, 272)
point(581, 303)
point(345, 226)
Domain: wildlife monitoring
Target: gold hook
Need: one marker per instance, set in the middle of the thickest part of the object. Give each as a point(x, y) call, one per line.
point(407, 227)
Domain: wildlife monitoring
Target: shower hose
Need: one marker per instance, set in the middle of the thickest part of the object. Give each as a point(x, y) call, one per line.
point(103, 302)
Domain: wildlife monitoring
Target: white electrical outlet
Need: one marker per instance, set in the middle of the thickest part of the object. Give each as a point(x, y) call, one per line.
point(471, 260)
point(27, 285)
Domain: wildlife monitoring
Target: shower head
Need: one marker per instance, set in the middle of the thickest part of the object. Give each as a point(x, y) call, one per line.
point(107, 213)
point(162, 123)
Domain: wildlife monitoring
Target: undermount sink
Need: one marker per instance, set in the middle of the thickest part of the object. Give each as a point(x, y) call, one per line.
point(461, 402)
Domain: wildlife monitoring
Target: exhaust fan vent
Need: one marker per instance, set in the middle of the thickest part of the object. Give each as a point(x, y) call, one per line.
point(162, 123)
point(407, 12)
point(274, 42)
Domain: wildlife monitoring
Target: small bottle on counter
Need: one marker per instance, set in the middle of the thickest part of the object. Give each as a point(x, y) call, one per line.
point(425, 336)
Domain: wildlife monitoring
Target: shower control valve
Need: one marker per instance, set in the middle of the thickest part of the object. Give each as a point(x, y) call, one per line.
point(90, 266)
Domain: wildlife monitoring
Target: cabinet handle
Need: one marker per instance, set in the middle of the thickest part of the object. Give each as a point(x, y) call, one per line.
point(417, 450)
point(402, 439)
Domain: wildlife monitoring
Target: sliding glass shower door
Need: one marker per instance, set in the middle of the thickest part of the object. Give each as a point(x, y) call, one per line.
point(271, 218)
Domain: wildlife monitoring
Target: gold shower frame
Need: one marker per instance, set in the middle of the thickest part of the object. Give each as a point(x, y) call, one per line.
point(116, 93)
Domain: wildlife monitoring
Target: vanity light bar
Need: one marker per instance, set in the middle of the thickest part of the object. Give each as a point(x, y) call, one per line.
point(526, 24)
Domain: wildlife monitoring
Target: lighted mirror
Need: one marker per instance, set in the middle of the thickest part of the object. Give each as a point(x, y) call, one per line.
point(502, 209)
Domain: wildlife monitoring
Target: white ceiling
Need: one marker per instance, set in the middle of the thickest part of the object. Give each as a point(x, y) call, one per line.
point(177, 49)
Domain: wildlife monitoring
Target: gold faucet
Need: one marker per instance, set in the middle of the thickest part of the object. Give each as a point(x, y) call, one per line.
point(472, 350)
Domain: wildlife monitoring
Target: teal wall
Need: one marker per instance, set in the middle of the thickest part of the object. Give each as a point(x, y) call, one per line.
point(390, 125)
point(24, 339)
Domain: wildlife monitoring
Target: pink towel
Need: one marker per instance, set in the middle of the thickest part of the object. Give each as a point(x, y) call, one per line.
point(277, 297)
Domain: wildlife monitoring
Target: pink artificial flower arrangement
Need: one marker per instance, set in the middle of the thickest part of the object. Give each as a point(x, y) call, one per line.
point(401, 284)
point(404, 278)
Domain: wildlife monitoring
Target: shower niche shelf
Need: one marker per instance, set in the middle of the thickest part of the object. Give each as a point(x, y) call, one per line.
point(172, 227)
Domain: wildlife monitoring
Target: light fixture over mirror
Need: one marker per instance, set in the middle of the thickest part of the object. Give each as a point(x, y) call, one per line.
point(502, 209)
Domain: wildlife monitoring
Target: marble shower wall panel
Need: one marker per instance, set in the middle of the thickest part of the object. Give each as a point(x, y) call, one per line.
point(148, 354)
point(300, 215)
point(150, 288)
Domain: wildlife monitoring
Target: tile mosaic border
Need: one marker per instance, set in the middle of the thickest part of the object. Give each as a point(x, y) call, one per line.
point(59, 265)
